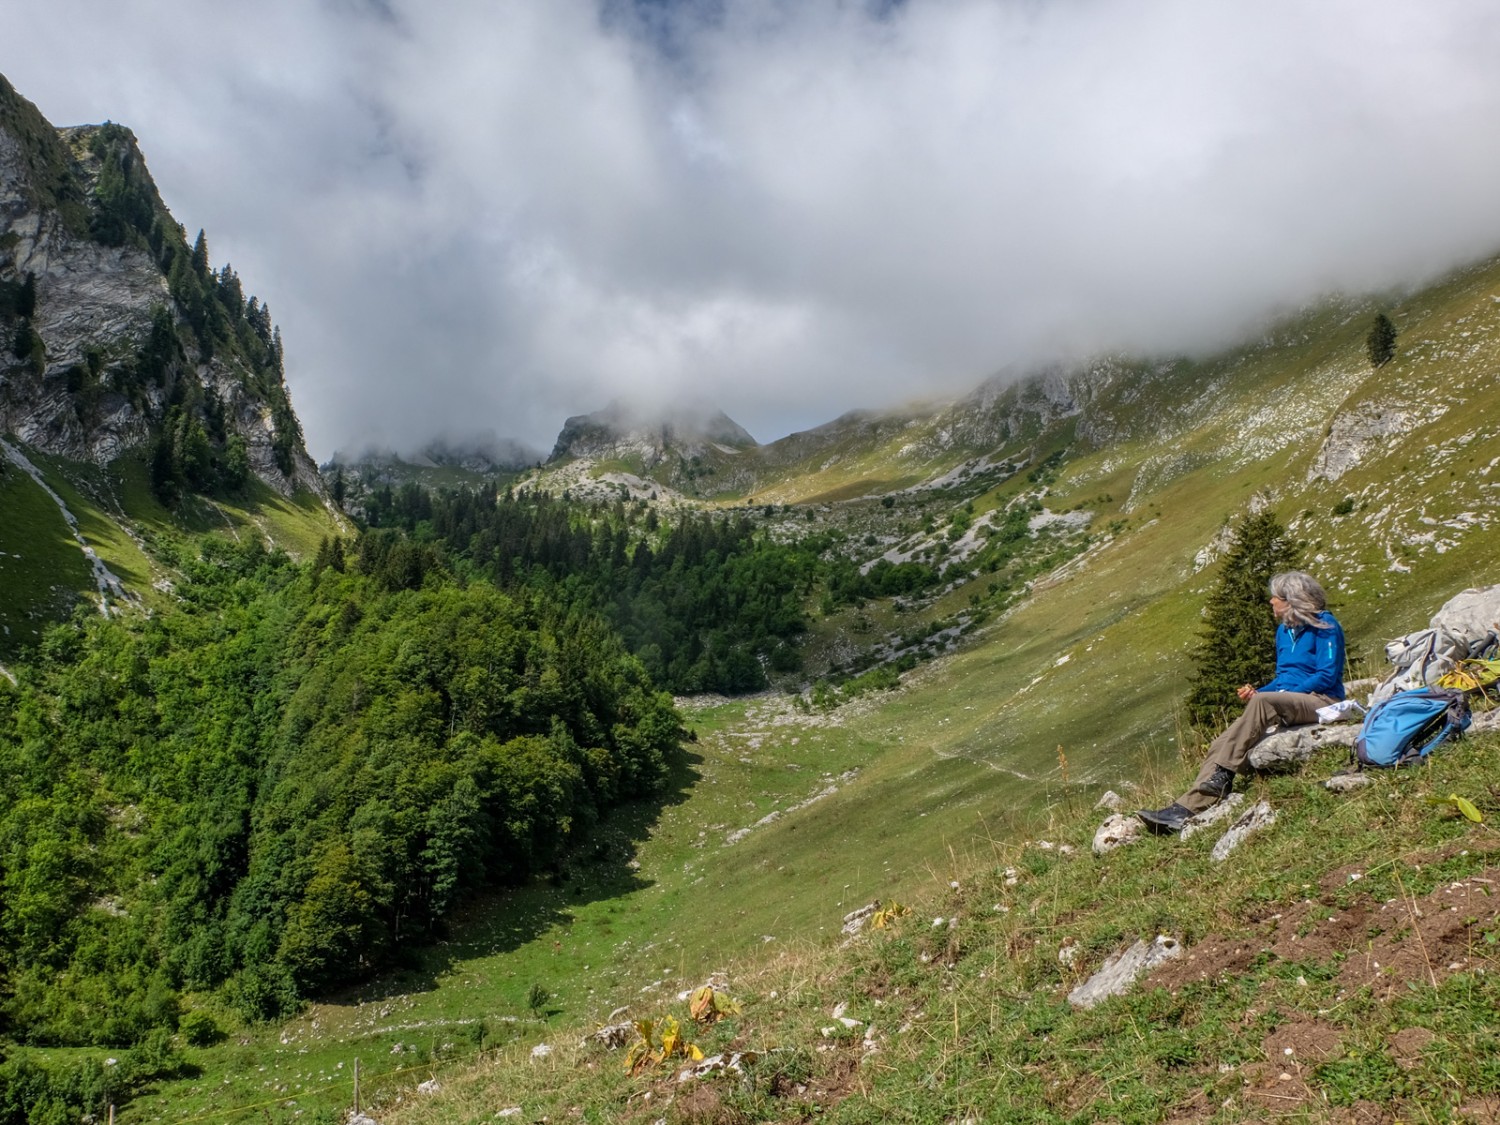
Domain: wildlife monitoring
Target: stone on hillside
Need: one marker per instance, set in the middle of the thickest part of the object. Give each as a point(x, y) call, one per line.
point(1226, 808)
point(431, 1086)
point(1486, 720)
point(361, 1119)
point(1111, 801)
point(1261, 816)
point(541, 1051)
point(735, 1061)
point(1471, 614)
point(1347, 782)
point(611, 1036)
point(1122, 970)
point(1290, 748)
point(1117, 831)
point(855, 920)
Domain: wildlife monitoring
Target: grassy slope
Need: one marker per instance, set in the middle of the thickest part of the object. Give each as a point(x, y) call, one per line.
point(43, 568)
point(954, 766)
point(1307, 992)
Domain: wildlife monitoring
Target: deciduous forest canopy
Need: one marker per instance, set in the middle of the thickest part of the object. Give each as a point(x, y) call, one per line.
point(273, 790)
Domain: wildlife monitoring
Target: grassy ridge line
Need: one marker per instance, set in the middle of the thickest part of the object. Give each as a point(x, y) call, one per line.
point(970, 1020)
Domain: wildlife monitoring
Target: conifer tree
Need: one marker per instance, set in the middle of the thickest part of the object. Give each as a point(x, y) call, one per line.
point(200, 255)
point(1381, 341)
point(1237, 644)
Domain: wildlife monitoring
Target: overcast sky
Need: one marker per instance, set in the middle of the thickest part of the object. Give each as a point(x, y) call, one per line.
point(472, 215)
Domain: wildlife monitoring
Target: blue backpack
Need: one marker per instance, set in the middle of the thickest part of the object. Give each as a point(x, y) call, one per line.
point(1409, 725)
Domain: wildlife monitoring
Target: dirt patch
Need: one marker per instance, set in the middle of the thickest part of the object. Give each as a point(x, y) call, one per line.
point(1384, 944)
point(702, 1104)
point(837, 1082)
point(1197, 1108)
point(1293, 1051)
point(1480, 1111)
point(1407, 1045)
point(1377, 945)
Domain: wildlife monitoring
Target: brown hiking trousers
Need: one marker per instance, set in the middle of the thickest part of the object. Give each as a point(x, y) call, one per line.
point(1230, 749)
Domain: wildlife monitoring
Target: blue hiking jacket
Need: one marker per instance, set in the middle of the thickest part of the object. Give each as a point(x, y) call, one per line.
point(1310, 659)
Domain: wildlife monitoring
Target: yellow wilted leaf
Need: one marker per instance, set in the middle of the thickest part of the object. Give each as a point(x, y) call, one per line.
point(671, 1037)
point(707, 1004)
point(694, 1053)
point(1466, 807)
point(1458, 679)
point(701, 1004)
point(1462, 804)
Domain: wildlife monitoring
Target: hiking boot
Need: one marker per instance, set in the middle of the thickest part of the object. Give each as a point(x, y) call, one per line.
point(1167, 821)
point(1219, 784)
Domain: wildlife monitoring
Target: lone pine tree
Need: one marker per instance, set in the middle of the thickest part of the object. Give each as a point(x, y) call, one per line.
point(1237, 644)
point(1381, 341)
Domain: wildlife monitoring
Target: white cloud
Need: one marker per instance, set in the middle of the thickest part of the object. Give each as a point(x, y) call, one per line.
point(493, 214)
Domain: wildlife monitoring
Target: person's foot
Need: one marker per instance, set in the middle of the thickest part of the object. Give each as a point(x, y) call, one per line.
point(1219, 784)
point(1167, 821)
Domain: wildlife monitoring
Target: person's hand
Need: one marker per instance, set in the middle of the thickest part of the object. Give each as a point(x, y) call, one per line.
point(1244, 691)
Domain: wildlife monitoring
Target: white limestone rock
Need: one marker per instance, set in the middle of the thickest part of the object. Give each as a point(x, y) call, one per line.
point(1123, 969)
point(1226, 808)
point(611, 1036)
point(1292, 747)
point(1117, 831)
point(1486, 721)
point(855, 920)
point(1260, 817)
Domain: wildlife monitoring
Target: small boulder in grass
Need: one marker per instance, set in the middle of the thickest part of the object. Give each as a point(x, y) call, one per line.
point(1260, 817)
point(1293, 747)
point(1123, 969)
point(1117, 831)
point(1486, 720)
point(855, 920)
point(1347, 782)
point(1228, 807)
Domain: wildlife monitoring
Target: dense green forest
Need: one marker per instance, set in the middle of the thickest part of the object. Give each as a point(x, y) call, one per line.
point(272, 790)
point(707, 604)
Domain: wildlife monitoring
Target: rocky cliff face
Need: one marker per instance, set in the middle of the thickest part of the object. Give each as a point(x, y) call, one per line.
point(651, 436)
point(112, 328)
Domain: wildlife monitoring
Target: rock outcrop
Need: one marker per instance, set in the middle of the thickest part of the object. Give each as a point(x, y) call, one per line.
point(619, 431)
point(1123, 969)
point(99, 342)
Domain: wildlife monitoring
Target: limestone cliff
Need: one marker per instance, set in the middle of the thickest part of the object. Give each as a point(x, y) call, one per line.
point(115, 334)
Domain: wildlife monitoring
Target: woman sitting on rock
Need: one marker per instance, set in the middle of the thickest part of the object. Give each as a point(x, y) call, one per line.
point(1309, 675)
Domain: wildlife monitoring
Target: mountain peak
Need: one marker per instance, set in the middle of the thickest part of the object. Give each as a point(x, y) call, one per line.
point(626, 430)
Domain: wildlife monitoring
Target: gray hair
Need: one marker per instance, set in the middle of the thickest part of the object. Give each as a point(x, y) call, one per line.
point(1304, 598)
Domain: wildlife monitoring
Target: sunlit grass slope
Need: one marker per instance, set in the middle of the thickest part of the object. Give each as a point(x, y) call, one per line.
point(43, 570)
